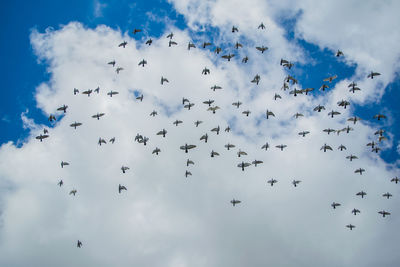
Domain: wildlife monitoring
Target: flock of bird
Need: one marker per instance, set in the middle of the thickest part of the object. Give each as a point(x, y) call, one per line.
point(288, 83)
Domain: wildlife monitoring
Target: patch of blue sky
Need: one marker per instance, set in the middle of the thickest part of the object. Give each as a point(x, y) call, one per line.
point(22, 73)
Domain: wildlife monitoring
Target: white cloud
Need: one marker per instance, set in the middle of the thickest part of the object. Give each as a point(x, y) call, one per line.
point(98, 8)
point(165, 219)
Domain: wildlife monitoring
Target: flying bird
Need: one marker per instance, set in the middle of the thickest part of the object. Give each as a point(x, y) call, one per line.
point(296, 182)
point(237, 104)
point(373, 74)
point(186, 147)
point(143, 62)
point(387, 195)
point(42, 136)
point(342, 147)
point(191, 45)
point(379, 116)
point(111, 93)
point(101, 141)
point(319, 108)
point(228, 57)
point(136, 31)
point(265, 146)
point(205, 71)
point(121, 187)
point(361, 193)
point(163, 132)
point(395, 180)
point(79, 244)
point(235, 202)
point(164, 80)
point(188, 162)
point(350, 226)
point(281, 147)
point(384, 213)
point(261, 26)
point(243, 165)
point(63, 108)
point(359, 170)
point(171, 43)
point(303, 133)
point(256, 79)
point(208, 102)
point(187, 173)
point(269, 113)
point(334, 205)
point(325, 147)
point(339, 53)
point(149, 41)
point(123, 44)
point(262, 48)
point(351, 157)
point(156, 151)
point(234, 29)
point(355, 211)
point(76, 124)
point(73, 192)
point(272, 182)
point(110, 63)
point(216, 129)
point(52, 118)
point(330, 79)
point(98, 115)
point(215, 87)
point(204, 137)
point(177, 122)
point(60, 183)
point(229, 146)
point(124, 169)
point(119, 69)
point(256, 162)
point(213, 153)
point(333, 113)
point(64, 163)
point(241, 153)
point(197, 123)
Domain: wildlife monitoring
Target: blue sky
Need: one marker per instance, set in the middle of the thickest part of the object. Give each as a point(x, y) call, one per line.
point(22, 73)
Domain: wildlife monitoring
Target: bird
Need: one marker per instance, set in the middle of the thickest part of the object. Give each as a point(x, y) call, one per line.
point(101, 141)
point(156, 151)
point(188, 106)
point(186, 147)
point(272, 182)
point(234, 29)
point(395, 180)
point(256, 79)
point(75, 124)
point(269, 113)
point(351, 157)
point(205, 44)
point(379, 132)
point(245, 59)
point(76, 91)
point(143, 140)
point(64, 163)
point(328, 130)
point(216, 129)
point(52, 118)
point(228, 57)
point(121, 187)
point(87, 92)
point(325, 147)
point(376, 149)
point(387, 195)
point(124, 169)
point(60, 183)
point(330, 79)
point(241, 153)
point(177, 122)
point(359, 170)
point(188, 162)
point(153, 113)
point(63, 108)
point(303, 133)
point(163, 132)
point(354, 119)
point(237, 104)
point(276, 96)
point(213, 153)
point(334, 205)
point(197, 123)
point(205, 71)
point(319, 108)
point(42, 136)
point(347, 129)
point(110, 63)
point(204, 137)
point(187, 173)
point(350, 226)
point(297, 115)
point(246, 112)
point(149, 41)
point(296, 182)
point(373, 74)
point(355, 211)
point(213, 109)
point(379, 116)
point(265, 146)
point(238, 45)
point(281, 147)
point(98, 115)
point(97, 90)
point(191, 45)
point(333, 113)
point(227, 129)
point(111, 93)
point(123, 44)
point(323, 87)
point(184, 100)
point(342, 147)
point(140, 97)
point(243, 165)
point(215, 87)
point(295, 92)
point(217, 50)
point(262, 49)
point(384, 213)
point(208, 102)
point(73, 192)
point(256, 162)
point(136, 31)
point(142, 62)
point(112, 140)
point(371, 144)
point(235, 202)
point(307, 90)
point(339, 53)
point(79, 244)
point(171, 43)
point(361, 193)
point(164, 80)
point(229, 146)
point(119, 69)
point(261, 26)
point(343, 103)
point(170, 35)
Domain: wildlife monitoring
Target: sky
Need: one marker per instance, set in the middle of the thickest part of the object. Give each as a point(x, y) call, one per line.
point(165, 218)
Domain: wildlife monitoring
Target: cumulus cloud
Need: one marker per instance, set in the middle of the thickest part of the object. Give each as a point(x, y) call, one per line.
point(165, 219)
